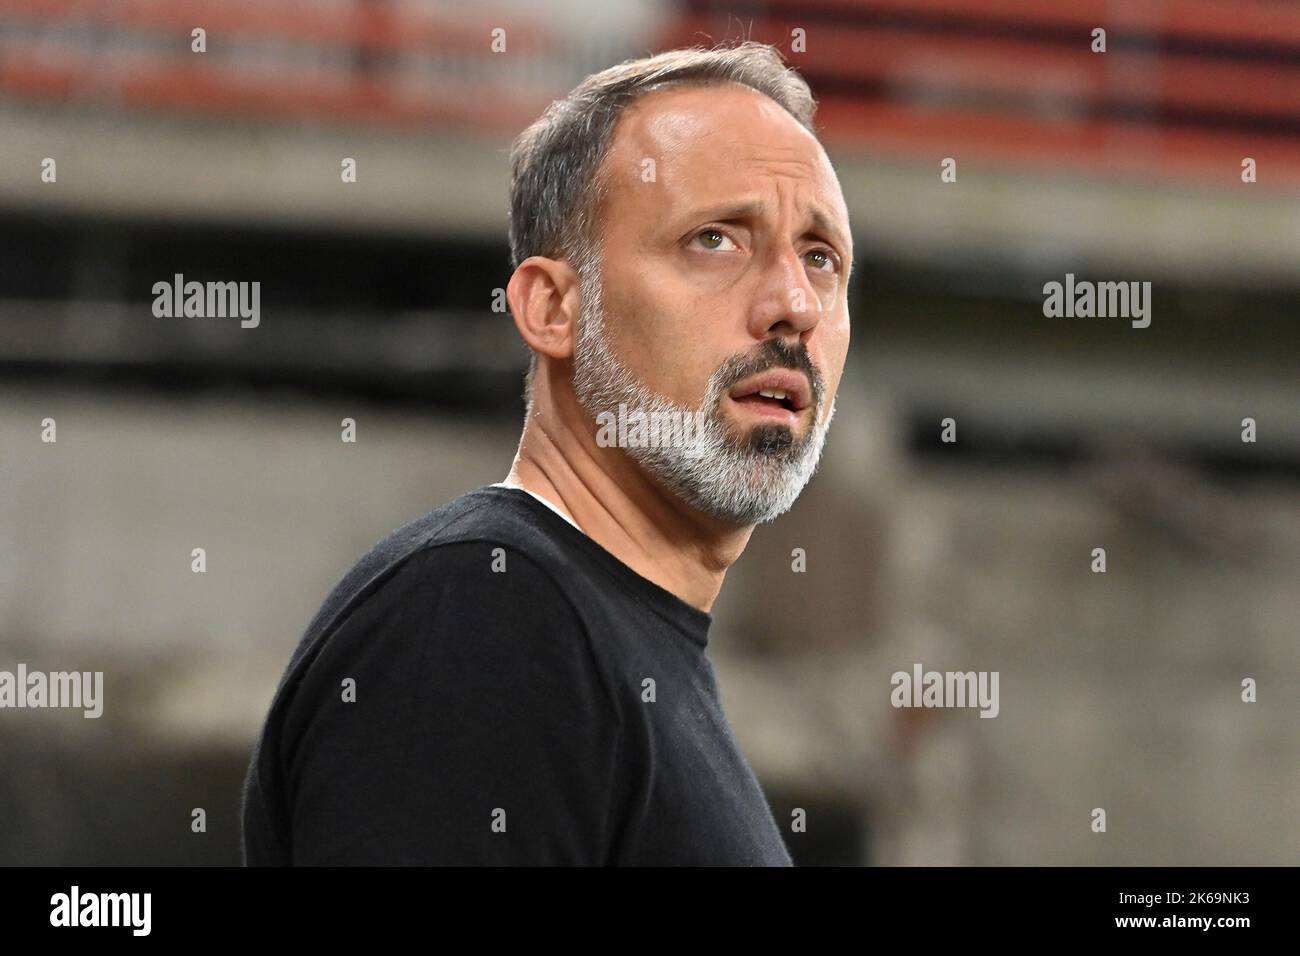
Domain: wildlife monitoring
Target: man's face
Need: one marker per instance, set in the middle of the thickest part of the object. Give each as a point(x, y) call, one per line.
point(724, 272)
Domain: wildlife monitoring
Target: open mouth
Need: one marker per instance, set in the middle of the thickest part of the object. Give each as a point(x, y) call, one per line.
point(768, 398)
point(777, 393)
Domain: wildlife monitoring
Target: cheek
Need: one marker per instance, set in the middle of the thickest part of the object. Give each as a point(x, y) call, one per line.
point(655, 335)
point(835, 338)
point(835, 352)
point(644, 305)
point(629, 320)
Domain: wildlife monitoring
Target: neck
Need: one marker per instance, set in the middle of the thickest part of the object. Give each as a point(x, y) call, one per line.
point(664, 540)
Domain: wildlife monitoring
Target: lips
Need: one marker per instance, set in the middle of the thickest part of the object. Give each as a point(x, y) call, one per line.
point(776, 391)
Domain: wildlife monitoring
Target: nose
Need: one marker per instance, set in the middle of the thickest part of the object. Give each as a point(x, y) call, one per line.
point(786, 304)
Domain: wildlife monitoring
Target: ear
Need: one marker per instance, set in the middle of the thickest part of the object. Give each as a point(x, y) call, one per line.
point(545, 301)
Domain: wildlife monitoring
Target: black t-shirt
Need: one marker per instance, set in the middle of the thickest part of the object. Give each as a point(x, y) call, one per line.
point(490, 686)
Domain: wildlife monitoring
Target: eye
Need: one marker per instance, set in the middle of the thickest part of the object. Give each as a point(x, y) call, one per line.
point(827, 259)
point(713, 239)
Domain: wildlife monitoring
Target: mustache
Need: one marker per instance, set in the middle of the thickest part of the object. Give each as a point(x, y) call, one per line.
point(773, 353)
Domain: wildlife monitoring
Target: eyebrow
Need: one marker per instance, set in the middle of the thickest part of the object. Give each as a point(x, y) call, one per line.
point(754, 209)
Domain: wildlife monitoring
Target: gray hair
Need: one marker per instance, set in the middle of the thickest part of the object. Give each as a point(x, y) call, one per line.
point(555, 188)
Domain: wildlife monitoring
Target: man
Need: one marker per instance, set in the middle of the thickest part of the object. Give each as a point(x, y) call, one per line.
point(520, 676)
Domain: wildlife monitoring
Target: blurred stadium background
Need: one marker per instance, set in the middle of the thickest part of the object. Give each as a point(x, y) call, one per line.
point(1118, 690)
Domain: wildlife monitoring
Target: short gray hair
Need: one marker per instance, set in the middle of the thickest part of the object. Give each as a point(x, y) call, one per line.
point(555, 189)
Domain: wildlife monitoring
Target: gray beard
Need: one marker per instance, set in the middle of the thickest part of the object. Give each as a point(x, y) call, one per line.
point(747, 480)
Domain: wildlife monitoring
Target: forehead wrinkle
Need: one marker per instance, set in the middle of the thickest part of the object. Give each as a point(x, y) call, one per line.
point(787, 173)
point(821, 215)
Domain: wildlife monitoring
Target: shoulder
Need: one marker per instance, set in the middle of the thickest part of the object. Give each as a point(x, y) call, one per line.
point(485, 584)
point(455, 681)
point(489, 581)
point(488, 544)
point(440, 623)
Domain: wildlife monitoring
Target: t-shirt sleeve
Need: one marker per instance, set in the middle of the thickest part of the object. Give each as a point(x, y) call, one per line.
point(456, 716)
